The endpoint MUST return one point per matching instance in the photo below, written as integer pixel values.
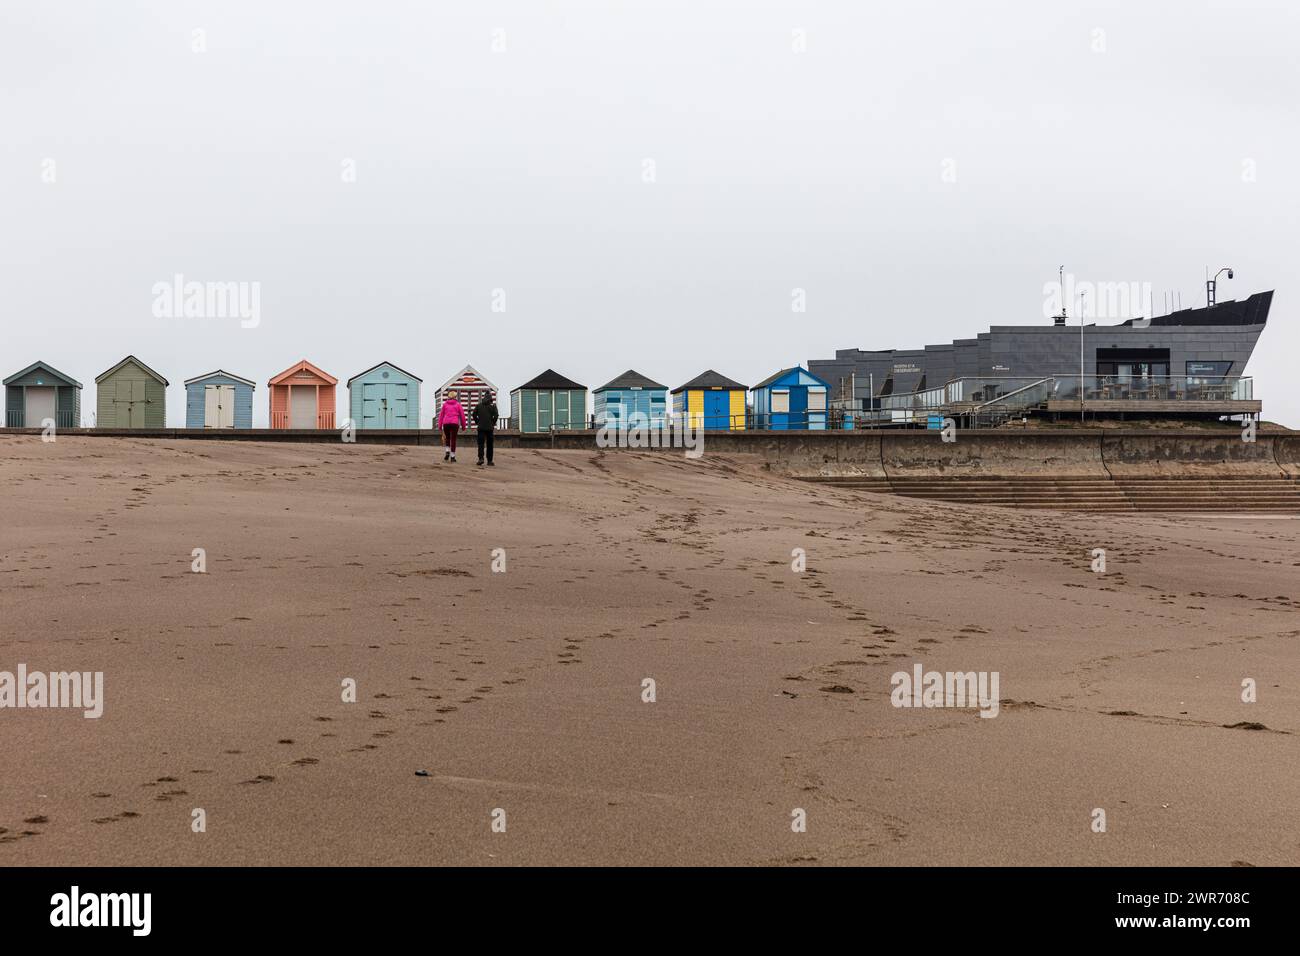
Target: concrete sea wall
(886, 453)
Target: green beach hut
(549, 400)
(130, 395)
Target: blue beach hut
(218, 400)
(793, 398)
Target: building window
(780, 401)
(1202, 373)
(816, 400)
(1126, 365)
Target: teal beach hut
(41, 392)
(631, 400)
(384, 396)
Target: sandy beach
(522, 691)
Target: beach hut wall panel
(219, 400)
(302, 396)
(712, 402)
(384, 397)
(41, 392)
(469, 387)
(791, 399)
(631, 399)
(550, 400)
(130, 395)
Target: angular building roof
(1249, 311)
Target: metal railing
(63, 418)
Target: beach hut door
(130, 393)
(717, 410)
(302, 406)
(219, 406)
(40, 404)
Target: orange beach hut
(302, 396)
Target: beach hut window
(816, 400)
(780, 401)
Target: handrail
(1016, 392)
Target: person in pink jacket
(451, 419)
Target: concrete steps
(1274, 495)
(1270, 495)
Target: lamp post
(1211, 284)
(1081, 295)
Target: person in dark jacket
(485, 419)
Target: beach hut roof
(788, 371)
(710, 379)
(54, 373)
(552, 379)
(467, 370)
(130, 358)
(631, 379)
(395, 368)
(237, 378)
(287, 373)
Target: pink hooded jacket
(451, 413)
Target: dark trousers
(485, 438)
(449, 437)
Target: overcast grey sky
(919, 169)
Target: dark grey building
(1209, 344)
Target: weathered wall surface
(992, 453)
(1190, 454)
(1286, 450)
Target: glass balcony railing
(1155, 388)
(987, 395)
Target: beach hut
(218, 400)
(630, 399)
(384, 396)
(711, 401)
(302, 396)
(469, 387)
(130, 395)
(39, 392)
(793, 398)
(549, 400)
